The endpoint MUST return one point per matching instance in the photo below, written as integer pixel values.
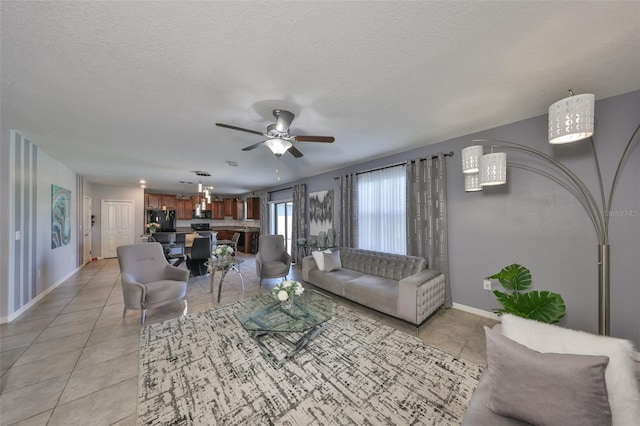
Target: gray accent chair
(272, 260)
(148, 280)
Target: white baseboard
(476, 311)
(23, 309)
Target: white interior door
(86, 229)
(117, 226)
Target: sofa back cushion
(391, 266)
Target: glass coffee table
(268, 322)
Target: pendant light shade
(472, 182)
(470, 158)
(571, 119)
(278, 146)
(493, 169)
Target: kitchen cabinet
(184, 209)
(217, 209)
(228, 206)
(234, 208)
(153, 201)
(238, 211)
(195, 200)
(253, 208)
(168, 201)
(246, 241)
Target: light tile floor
(72, 359)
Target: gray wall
(30, 267)
(535, 222)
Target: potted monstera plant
(543, 306)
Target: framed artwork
(60, 216)
(320, 211)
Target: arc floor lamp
(570, 120)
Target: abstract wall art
(320, 211)
(60, 216)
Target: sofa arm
(419, 295)
(308, 264)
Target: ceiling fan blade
(254, 146)
(284, 119)
(327, 139)
(228, 126)
(295, 152)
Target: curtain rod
(449, 154)
(278, 190)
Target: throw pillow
(545, 389)
(624, 396)
(319, 258)
(332, 261)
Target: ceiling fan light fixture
(278, 146)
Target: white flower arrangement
(152, 227)
(224, 250)
(286, 289)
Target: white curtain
(382, 210)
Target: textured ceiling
(122, 91)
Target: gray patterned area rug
(204, 369)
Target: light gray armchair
(272, 260)
(148, 280)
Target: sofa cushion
(375, 292)
(624, 396)
(332, 261)
(333, 281)
(391, 266)
(477, 413)
(546, 388)
(318, 256)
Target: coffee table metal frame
(286, 325)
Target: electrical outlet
(486, 284)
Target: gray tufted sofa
(400, 286)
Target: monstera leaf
(542, 306)
(514, 277)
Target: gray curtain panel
(427, 214)
(264, 214)
(349, 210)
(299, 226)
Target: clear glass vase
(287, 304)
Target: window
(282, 221)
(382, 210)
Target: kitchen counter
(247, 235)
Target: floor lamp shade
(472, 182)
(571, 119)
(471, 158)
(493, 169)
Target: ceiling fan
(279, 140)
